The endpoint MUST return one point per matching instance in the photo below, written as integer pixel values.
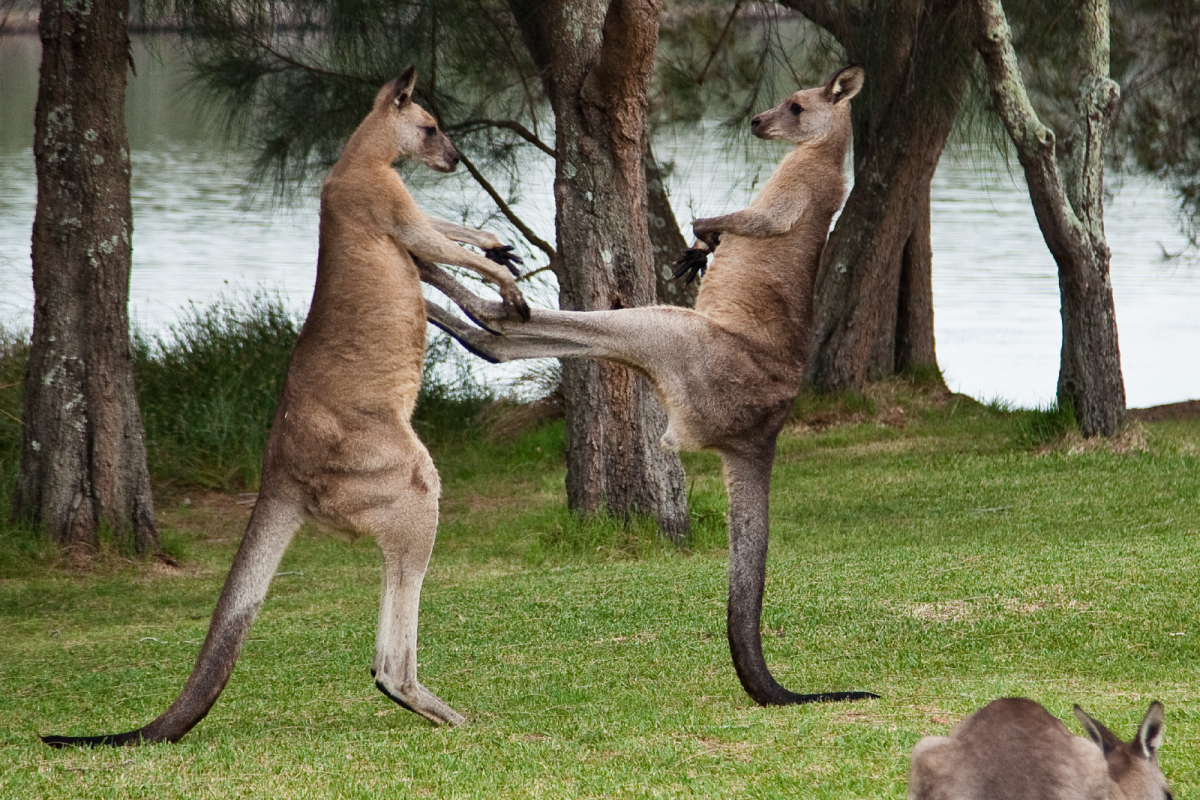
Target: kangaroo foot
(419, 700)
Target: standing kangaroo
(1013, 749)
(729, 371)
(342, 449)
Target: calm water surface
(197, 239)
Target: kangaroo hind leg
(267, 537)
(406, 532)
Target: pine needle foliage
(293, 79)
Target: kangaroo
(729, 370)
(342, 450)
(1013, 749)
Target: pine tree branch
(509, 214)
(512, 125)
(839, 18)
(720, 40)
(305, 67)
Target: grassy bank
(937, 551)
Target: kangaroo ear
(1150, 734)
(845, 83)
(404, 87)
(1102, 736)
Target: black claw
(503, 254)
(690, 265)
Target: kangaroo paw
(690, 265)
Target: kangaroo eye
(429, 130)
(795, 109)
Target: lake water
(197, 238)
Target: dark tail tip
(833, 697)
(109, 740)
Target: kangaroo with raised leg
(729, 371)
(342, 449)
(1014, 749)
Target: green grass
(941, 564)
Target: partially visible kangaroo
(729, 371)
(342, 449)
(1013, 749)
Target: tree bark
(666, 240)
(83, 459)
(1069, 206)
(873, 306)
(596, 59)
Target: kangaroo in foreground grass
(1013, 749)
(729, 371)
(342, 450)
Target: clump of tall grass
(1044, 425)
(14, 350)
(17, 540)
(208, 387)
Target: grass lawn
(939, 560)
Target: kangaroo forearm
(752, 222)
(441, 250)
(484, 240)
(474, 306)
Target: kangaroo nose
(754, 123)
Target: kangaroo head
(413, 130)
(815, 113)
(1132, 766)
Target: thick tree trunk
(1069, 208)
(873, 307)
(83, 462)
(597, 58)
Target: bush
(209, 386)
(14, 350)
(208, 390)
(1045, 425)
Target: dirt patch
(1171, 412)
(507, 420)
(972, 609)
(719, 748)
(888, 403)
(209, 516)
(1132, 439)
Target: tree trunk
(873, 307)
(596, 59)
(666, 241)
(83, 459)
(1069, 208)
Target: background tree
(1065, 176)
(873, 309)
(1156, 57)
(596, 59)
(83, 460)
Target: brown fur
(1013, 749)
(342, 450)
(728, 371)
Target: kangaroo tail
(747, 480)
(268, 535)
